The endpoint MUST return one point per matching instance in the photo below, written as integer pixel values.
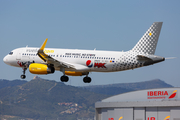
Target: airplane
(74, 62)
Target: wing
(49, 60)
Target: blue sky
(104, 25)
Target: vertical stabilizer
(147, 44)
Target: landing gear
(64, 78)
(87, 79)
(23, 76)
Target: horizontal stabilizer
(143, 58)
(149, 59)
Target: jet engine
(37, 68)
(74, 73)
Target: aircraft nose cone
(5, 59)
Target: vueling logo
(49, 51)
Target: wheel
(23, 76)
(87, 79)
(64, 78)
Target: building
(150, 104)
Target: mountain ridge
(114, 89)
(41, 99)
(49, 99)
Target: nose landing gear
(23, 76)
(24, 67)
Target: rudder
(148, 42)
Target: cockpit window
(10, 53)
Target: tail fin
(147, 44)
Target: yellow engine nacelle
(37, 68)
(73, 73)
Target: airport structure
(150, 104)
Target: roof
(161, 94)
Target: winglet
(44, 44)
(41, 53)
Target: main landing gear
(87, 79)
(65, 78)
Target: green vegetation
(44, 99)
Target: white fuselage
(92, 60)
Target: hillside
(44, 99)
(6, 83)
(47, 99)
(114, 89)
